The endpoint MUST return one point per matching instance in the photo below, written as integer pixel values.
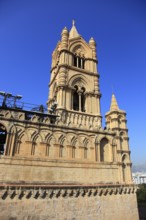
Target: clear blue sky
(30, 29)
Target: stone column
(91, 103)
(97, 152)
(7, 150)
(80, 93)
(77, 61)
(12, 144)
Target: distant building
(139, 177)
(64, 165)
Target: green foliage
(141, 194)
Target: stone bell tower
(74, 82)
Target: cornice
(45, 191)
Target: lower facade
(70, 202)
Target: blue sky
(30, 30)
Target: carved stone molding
(56, 191)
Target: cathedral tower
(74, 83)
(62, 164)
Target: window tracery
(79, 61)
(79, 99)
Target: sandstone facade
(63, 164)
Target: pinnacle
(114, 104)
(73, 32)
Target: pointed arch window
(78, 61)
(79, 99)
(104, 150)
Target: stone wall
(25, 169)
(68, 202)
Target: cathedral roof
(114, 104)
(73, 32)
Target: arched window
(78, 61)
(79, 99)
(3, 135)
(104, 150)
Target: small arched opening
(3, 136)
(104, 150)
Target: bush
(141, 194)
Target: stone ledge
(45, 191)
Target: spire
(114, 104)
(73, 32)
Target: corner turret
(116, 121)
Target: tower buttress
(116, 121)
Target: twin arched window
(79, 99)
(78, 61)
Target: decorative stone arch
(47, 137)
(83, 46)
(12, 129)
(80, 52)
(79, 86)
(79, 49)
(124, 158)
(120, 118)
(74, 142)
(11, 140)
(19, 141)
(105, 150)
(50, 141)
(36, 137)
(61, 141)
(22, 147)
(37, 140)
(86, 148)
(122, 133)
(78, 79)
